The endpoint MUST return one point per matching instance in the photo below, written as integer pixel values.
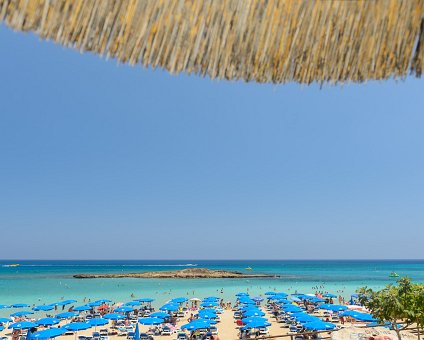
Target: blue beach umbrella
(306, 297)
(258, 299)
(246, 300)
(179, 300)
(251, 313)
(146, 300)
(64, 303)
(97, 322)
(244, 297)
(196, 324)
(170, 307)
(292, 309)
(284, 301)
(20, 305)
(47, 322)
(208, 316)
(102, 301)
(211, 321)
(283, 294)
(348, 313)
(4, 320)
(22, 313)
(22, 325)
(113, 316)
(277, 297)
(270, 293)
(209, 304)
(82, 308)
(256, 324)
(255, 318)
(48, 333)
(328, 295)
(209, 301)
(212, 298)
(193, 326)
(77, 326)
(94, 304)
(208, 321)
(334, 308)
(325, 306)
(136, 333)
(66, 315)
(305, 318)
(248, 307)
(161, 315)
(133, 303)
(124, 309)
(298, 314)
(211, 310)
(319, 326)
(43, 308)
(151, 321)
(242, 294)
(4, 306)
(364, 317)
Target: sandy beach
(227, 326)
(227, 329)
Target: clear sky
(100, 160)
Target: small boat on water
(393, 274)
(12, 265)
(248, 268)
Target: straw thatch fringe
(261, 40)
(418, 61)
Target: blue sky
(100, 160)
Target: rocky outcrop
(190, 273)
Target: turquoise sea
(44, 282)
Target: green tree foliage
(403, 302)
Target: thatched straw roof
(261, 40)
